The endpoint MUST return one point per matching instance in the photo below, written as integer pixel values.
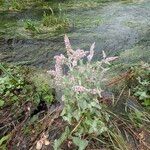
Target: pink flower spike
(79, 89)
(90, 56)
(74, 63)
(68, 45)
(78, 54)
(59, 59)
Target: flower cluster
(72, 62)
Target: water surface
(118, 28)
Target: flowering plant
(81, 86)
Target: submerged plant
(55, 22)
(30, 25)
(81, 89)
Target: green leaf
(146, 102)
(83, 104)
(1, 103)
(3, 139)
(81, 143)
(9, 74)
(93, 127)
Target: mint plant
(81, 89)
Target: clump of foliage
(14, 4)
(16, 87)
(89, 115)
(142, 88)
(17, 5)
(24, 94)
(55, 22)
(81, 87)
(52, 22)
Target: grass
(13, 5)
(55, 22)
(18, 5)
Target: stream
(118, 28)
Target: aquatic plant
(55, 22)
(30, 25)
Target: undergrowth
(16, 87)
(23, 95)
(142, 88)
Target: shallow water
(118, 28)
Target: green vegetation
(24, 93)
(50, 23)
(91, 112)
(53, 19)
(99, 111)
(30, 26)
(16, 87)
(142, 89)
(13, 4)
(80, 104)
(57, 23)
